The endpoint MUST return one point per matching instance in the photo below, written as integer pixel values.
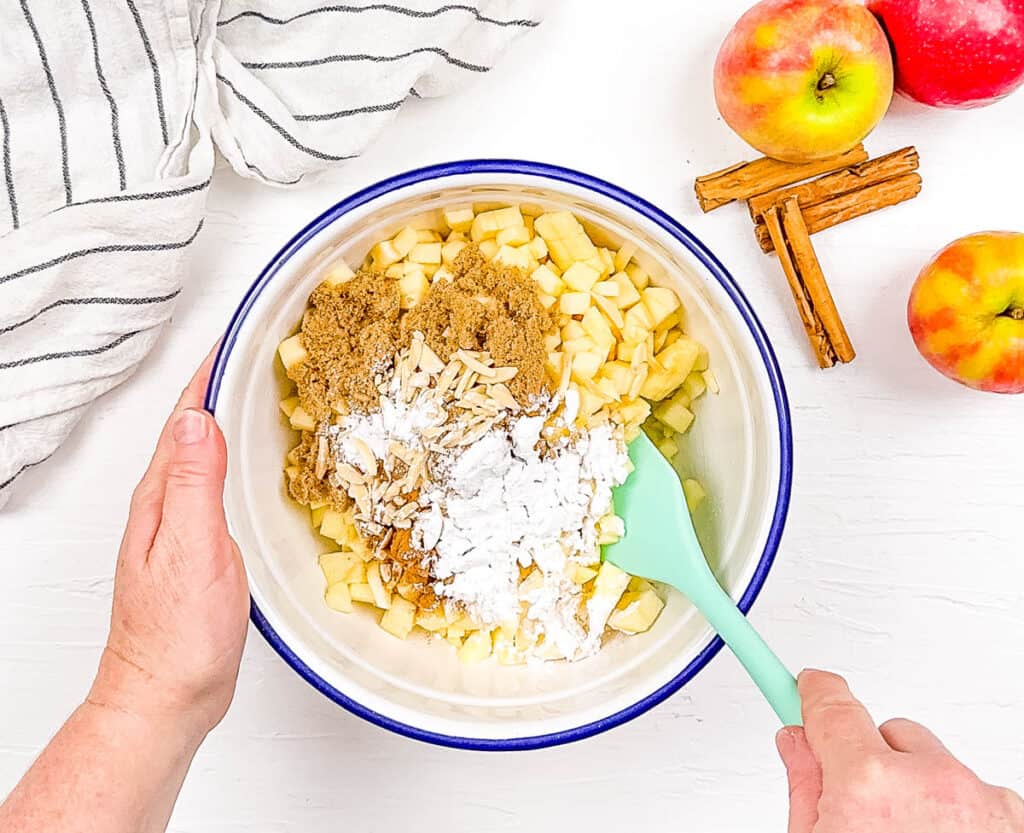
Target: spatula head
(660, 542)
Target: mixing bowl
(739, 448)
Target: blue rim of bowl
(719, 272)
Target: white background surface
(903, 560)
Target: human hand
(847, 776)
(180, 597)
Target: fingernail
(191, 427)
(784, 740)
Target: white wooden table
(903, 560)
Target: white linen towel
(109, 113)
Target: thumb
(194, 494)
(804, 776)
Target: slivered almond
(321, 458)
(416, 349)
(366, 456)
(465, 382)
(447, 378)
(350, 474)
(504, 374)
(429, 361)
(503, 397)
(474, 364)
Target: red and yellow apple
(966, 311)
(804, 79)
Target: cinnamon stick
(843, 207)
(854, 178)
(817, 308)
(815, 330)
(747, 179)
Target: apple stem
(826, 81)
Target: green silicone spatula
(660, 544)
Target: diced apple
(487, 224)
(586, 365)
(301, 420)
(459, 217)
(581, 574)
(669, 448)
(512, 256)
(426, 253)
(289, 405)
(674, 364)
(638, 613)
(292, 351)
(710, 380)
(341, 567)
(399, 618)
(538, 248)
(395, 270)
(620, 374)
(608, 289)
(427, 235)
(477, 647)
(581, 276)
(339, 598)
(574, 303)
(694, 385)
(451, 249)
(333, 525)
(674, 414)
(596, 326)
(548, 281)
(384, 254)
(413, 287)
(361, 593)
(638, 276)
(638, 316)
(583, 344)
(557, 225)
(635, 411)
(513, 236)
(405, 240)
(623, 255)
(431, 620)
(610, 584)
(572, 329)
(590, 404)
(694, 493)
(607, 260)
(660, 301)
(628, 293)
(488, 248)
(340, 273)
(316, 516)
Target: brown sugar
(487, 306)
(351, 333)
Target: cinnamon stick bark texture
(822, 323)
(854, 178)
(843, 207)
(748, 179)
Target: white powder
(507, 500)
(396, 421)
(503, 505)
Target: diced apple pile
(619, 343)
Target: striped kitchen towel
(109, 113)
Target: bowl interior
(734, 448)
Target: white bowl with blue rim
(740, 448)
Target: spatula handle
(765, 668)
